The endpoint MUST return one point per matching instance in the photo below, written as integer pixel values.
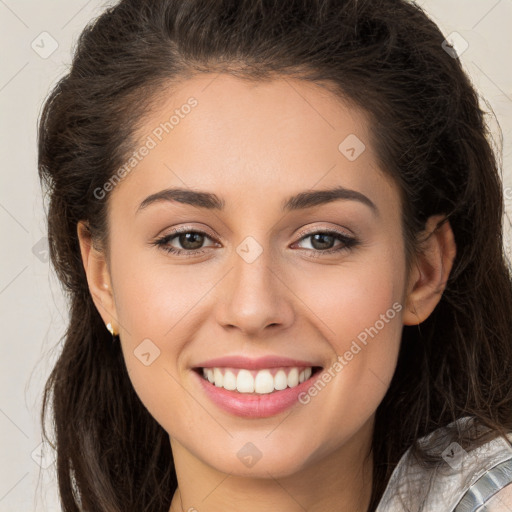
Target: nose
(254, 297)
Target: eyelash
(348, 242)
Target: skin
(255, 145)
(501, 501)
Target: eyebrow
(300, 201)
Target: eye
(191, 242)
(324, 241)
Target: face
(311, 287)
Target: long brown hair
(385, 56)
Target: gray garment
(462, 482)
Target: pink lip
(255, 406)
(253, 364)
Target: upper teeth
(262, 381)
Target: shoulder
(460, 480)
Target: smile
(258, 392)
(260, 382)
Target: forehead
(247, 140)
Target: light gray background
(32, 308)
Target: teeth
(244, 382)
(229, 381)
(280, 380)
(293, 378)
(259, 382)
(218, 377)
(264, 382)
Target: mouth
(257, 382)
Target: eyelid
(319, 229)
(188, 229)
(302, 233)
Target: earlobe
(98, 276)
(431, 270)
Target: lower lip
(255, 406)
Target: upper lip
(253, 363)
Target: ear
(98, 276)
(430, 270)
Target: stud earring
(111, 329)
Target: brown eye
(186, 243)
(322, 241)
(325, 241)
(191, 240)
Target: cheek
(359, 309)
(152, 295)
(357, 297)
(155, 309)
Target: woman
(279, 226)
